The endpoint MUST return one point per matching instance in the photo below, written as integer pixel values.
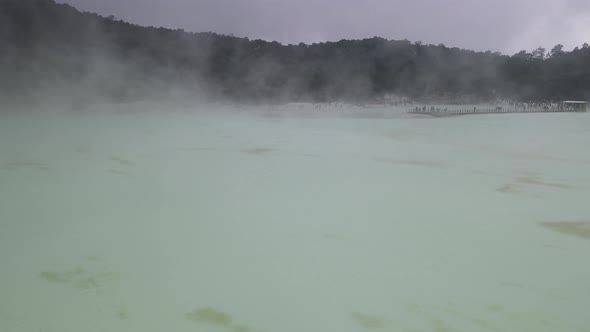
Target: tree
(556, 51)
(539, 53)
(523, 55)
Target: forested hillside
(56, 49)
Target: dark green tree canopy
(43, 44)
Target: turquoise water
(256, 220)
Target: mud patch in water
(508, 188)
(216, 317)
(19, 165)
(368, 321)
(122, 312)
(121, 161)
(257, 151)
(438, 325)
(210, 316)
(79, 278)
(334, 236)
(524, 184)
(532, 180)
(430, 164)
(574, 228)
(119, 172)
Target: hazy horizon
(502, 26)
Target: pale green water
(235, 222)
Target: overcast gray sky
(498, 25)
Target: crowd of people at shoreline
(414, 107)
(516, 107)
